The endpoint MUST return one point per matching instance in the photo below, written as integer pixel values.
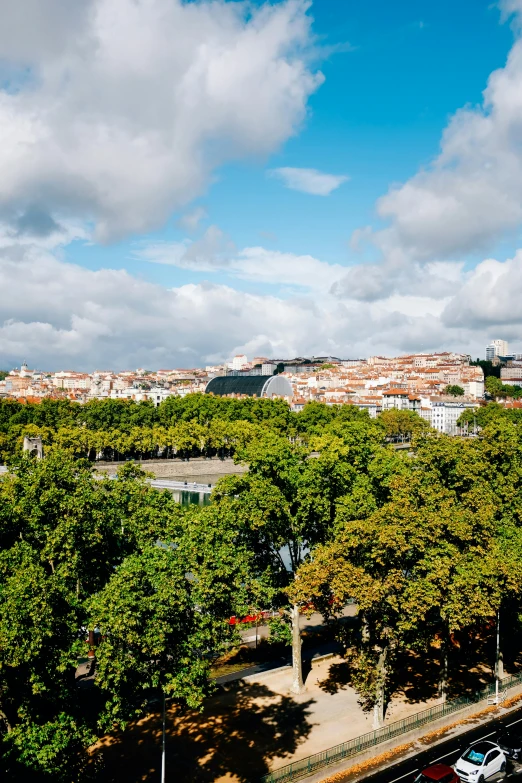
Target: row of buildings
(416, 382)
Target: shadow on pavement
(338, 678)
(236, 735)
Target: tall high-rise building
(238, 362)
(496, 348)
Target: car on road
(480, 761)
(437, 773)
(510, 743)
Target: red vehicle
(250, 618)
(438, 773)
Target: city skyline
(438, 387)
(302, 179)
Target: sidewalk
(246, 730)
(332, 708)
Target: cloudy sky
(183, 181)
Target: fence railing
(304, 767)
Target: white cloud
(309, 180)
(207, 254)
(57, 314)
(285, 269)
(491, 295)
(123, 108)
(191, 220)
(214, 252)
(118, 111)
(374, 282)
(471, 195)
(509, 8)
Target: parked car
(437, 773)
(480, 762)
(511, 745)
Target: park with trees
(427, 541)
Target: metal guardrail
(303, 767)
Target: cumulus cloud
(471, 195)
(58, 314)
(214, 252)
(308, 180)
(373, 282)
(55, 311)
(491, 295)
(191, 220)
(115, 113)
(121, 109)
(207, 254)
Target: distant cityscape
(419, 382)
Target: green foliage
(498, 390)
(439, 553)
(77, 552)
(279, 631)
(454, 391)
(488, 367)
(191, 426)
(427, 541)
(407, 424)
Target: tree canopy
(454, 390)
(427, 541)
(79, 552)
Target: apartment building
(446, 412)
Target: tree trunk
(297, 662)
(5, 719)
(91, 654)
(380, 701)
(443, 682)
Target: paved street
(448, 753)
(314, 621)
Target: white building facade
(496, 348)
(446, 413)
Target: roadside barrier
(303, 767)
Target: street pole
(497, 658)
(163, 744)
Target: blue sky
(160, 160)
(394, 73)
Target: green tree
(494, 387)
(440, 554)
(286, 505)
(406, 424)
(77, 550)
(454, 390)
(147, 620)
(488, 367)
(314, 417)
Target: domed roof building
(250, 386)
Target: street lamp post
(163, 744)
(497, 662)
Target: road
(448, 752)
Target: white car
(480, 762)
